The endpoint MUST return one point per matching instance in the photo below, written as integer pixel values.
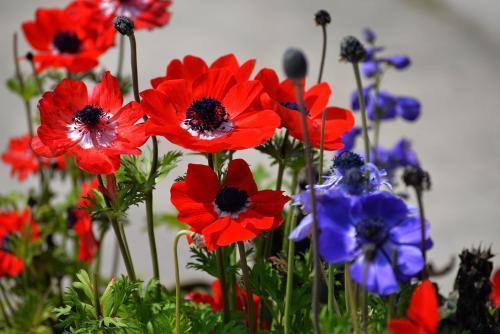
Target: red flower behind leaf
(81, 222)
(423, 312)
(228, 213)
(191, 67)
(495, 289)
(94, 128)
(24, 161)
(210, 114)
(63, 39)
(281, 97)
(14, 225)
(147, 14)
(216, 302)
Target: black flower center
(292, 106)
(231, 199)
(6, 243)
(90, 115)
(206, 114)
(347, 160)
(371, 230)
(67, 42)
(72, 218)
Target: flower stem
(290, 218)
(323, 114)
(224, 290)
(248, 287)
(420, 201)
(351, 300)
(119, 237)
(310, 179)
(323, 54)
(154, 164)
(4, 313)
(362, 107)
(96, 296)
(332, 301)
(178, 281)
(289, 274)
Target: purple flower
(349, 138)
(400, 155)
(369, 35)
(381, 221)
(370, 68)
(408, 108)
(381, 106)
(399, 62)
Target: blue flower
(379, 220)
(369, 35)
(400, 155)
(408, 108)
(349, 138)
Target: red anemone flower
(281, 97)
(191, 67)
(147, 14)
(94, 128)
(210, 114)
(61, 39)
(24, 161)
(14, 225)
(495, 289)
(81, 221)
(228, 213)
(216, 302)
(423, 312)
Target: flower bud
(322, 18)
(351, 50)
(295, 64)
(124, 25)
(416, 177)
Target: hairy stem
(248, 287)
(178, 281)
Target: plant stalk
(362, 108)
(178, 281)
(248, 287)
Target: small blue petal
(408, 108)
(369, 35)
(399, 62)
(303, 230)
(370, 68)
(383, 204)
(338, 246)
(378, 276)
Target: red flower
(147, 14)
(24, 161)
(495, 289)
(281, 97)
(191, 67)
(210, 114)
(216, 302)
(227, 213)
(81, 221)
(423, 312)
(94, 128)
(14, 225)
(63, 39)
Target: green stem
(289, 224)
(289, 276)
(323, 54)
(222, 278)
(362, 106)
(178, 281)
(351, 299)
(420, 201)
(323, 115)
(96, 296)
(332, 301)
(97, 268)
(248, 287)
(6, 298)
(4, 313)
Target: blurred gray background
(455, 48)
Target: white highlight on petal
(97, 136)
(224, 128)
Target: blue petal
(370, 68)
(399, 62)
(402, 154)
(334, 211)
(337, 246)
(303, 230)
(409, 232)
(408, 108)
(369, 35)
(410, 260)
(378, 276)
(349, 138)
(386, 102)
(385, 205)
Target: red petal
(269, 202)
(96, 162)
(424, 308)
(495, 291)
(241, 96)
(316, 98)
(107, 94)
(214, 83)
(402, 326)
(179, 93)
(202, 183)
(235, 232)
(240, 176)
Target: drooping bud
(417, 177)
(322, 18)
(295, 64)
(124, 25)
(351, 50)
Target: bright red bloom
(210, 114)
(147, 14)
(24, 161)
(423, 312)
(81, 221)
(227, 213)
(282, 98)
(94, 128)
(495, 289)
(63, 39)
(13, 225)
(191, 67)
(216, 302)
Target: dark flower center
(72, 218)
(347, 160)
(206, 114)
(354, 181)
(292, 106)
(371, 230)
(67, 42)
(90, 115)
(231, 199)
(6, 243)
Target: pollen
(205, 115)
